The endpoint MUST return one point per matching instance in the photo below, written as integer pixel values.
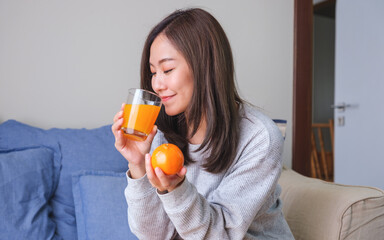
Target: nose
(158, 82)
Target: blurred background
(69, 64)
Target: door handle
(341, 106)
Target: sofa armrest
(315, 209)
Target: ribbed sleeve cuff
(137, 188)
(179, 198)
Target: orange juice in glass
(140, 113)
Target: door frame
(302, 86)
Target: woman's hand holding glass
(133, 151)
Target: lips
(166, 98)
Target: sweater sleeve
(146, 216)
(246, 192)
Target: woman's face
(171, 76)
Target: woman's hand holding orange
(133, 151)
(162, 181)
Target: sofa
(316, 209)
(69, 184)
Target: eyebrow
(163, 60)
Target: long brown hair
(199, 37)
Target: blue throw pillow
(101, 209)
(79, 149)
(28, 178)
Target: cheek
(190, 86)
(153, 85)
(190, 90)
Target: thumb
(152, 134)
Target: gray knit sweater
(240, 203)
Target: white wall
(70, 63)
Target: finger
(117, 116)
(163, 179)
(117, 126)
(148, 168)
(182, 172)
(122, 106)
(119, 138)
(152, 134)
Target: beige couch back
(316, 209)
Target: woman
(228, 187)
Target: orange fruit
(168, 157)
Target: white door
(359, 84)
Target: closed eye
(168, 71)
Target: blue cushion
(79, 149)
(28, 178)
(101, 209)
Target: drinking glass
(140, 113)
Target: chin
(171, 111)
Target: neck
(199, 136)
